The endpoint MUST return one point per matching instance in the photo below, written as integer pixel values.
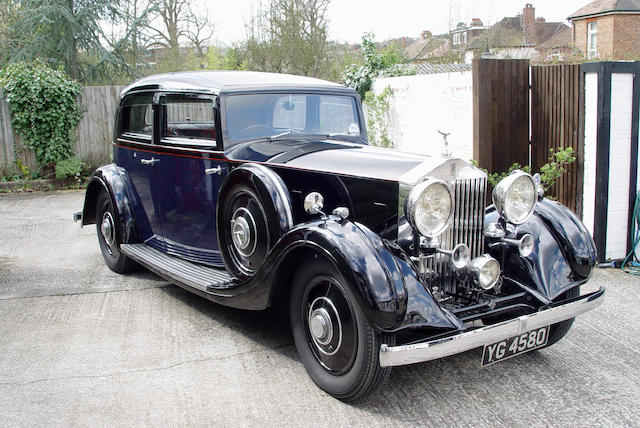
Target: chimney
(529, 24)
(476, 22)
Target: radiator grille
(467, 226)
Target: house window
(592, 39)
(456, 38)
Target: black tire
(353, 370)
(559, 330)
(243, 205)
(109, 237)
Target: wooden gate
(557, 121)
(500, 113)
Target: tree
(290, 36)
(175, 23)
(68, 33)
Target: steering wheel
(252, 131)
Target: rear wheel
(108, 228)
(336, 343)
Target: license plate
(513, 346)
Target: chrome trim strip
(161, 146)
(439, 348)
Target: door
(191, 170)
(135, 153)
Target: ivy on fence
(44, 109)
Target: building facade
(608, 29)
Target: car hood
(350, 159)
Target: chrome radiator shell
(470, 191)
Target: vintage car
(251, 189)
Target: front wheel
(338, 346)
(108, 236)
(559, 330)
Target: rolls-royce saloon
(251, 189)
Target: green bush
(549, 172)
(71, 167)
(387, 63)
(44, 108)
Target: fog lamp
(485, 270)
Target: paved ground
(80, 345)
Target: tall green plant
(386, 63)
(44, 108)
(378, 118)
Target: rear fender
(116, 183)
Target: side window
(136, 115)
(189, 117)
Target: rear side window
(189, 117)
(136, 115)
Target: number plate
(513, 346)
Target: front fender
(564, 254)
(115, 182)
(387, 288)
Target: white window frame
(592, 39)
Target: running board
(206, 279)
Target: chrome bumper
(432, 350)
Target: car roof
(230, 81)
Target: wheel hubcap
(243, 231)
(107, 229)
(325, 326)
(321, 326)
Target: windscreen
(265, 115)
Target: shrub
(44, 108)
(549, 172)
(70, 167)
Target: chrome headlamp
(429, 207)
(515, 197)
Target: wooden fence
(557, 121)
(93, 136)
(500, 113)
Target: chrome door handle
(216, 170)
(151, 161)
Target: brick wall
(605, 36)
(618, 36)
(580, 35)
(626, 43)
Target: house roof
(509, 32)
(426, 68)
(600, 7)
(423, 48)
(560, 40)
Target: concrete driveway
(80, 345)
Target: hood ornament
(446, 153)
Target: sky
(350, 19)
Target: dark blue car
(253, 188)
